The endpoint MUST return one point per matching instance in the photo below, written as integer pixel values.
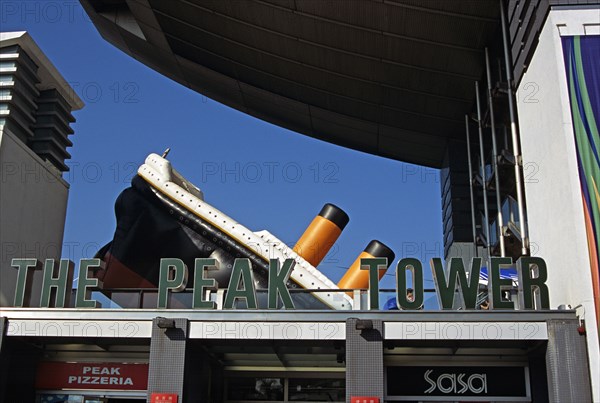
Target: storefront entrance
(269, 371)
(303, 387)
(467, 371)
(278, 357)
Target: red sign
(163, 398)
(364, 399)
(91, 375)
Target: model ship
(164, 215)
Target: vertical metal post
(471, 185)
(364, 360)
(567, 363)
(483, 175)
(167, 364)
(495, 155)
(514, 134)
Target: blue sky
(261, 175)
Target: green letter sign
(373, 265)
(415, 267)
(277, 283)
(61, 284)
(241, 276)
(84, 282)
(173, 276)
(497, 284)
(201, 266)
(22, 291)
(531, 287)
(446, 288)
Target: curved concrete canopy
(389, 77)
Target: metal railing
(511, 222)
(147, 298)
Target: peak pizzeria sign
(104, 376)
(450, 282)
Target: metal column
(364, 358)
(167, 357)
(471, 185)
(483, 175)
(495, 154)
(567, 365)
(514, 134)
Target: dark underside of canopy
(392, 78)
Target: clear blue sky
(266, 177)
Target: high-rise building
(35, 124)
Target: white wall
(33, 205)
(552, 188)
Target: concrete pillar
(364, 358)
(167, 356)
(567, 363)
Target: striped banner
(582, 63)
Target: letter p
(173, 276)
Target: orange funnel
(321, 234)
(357, 278)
